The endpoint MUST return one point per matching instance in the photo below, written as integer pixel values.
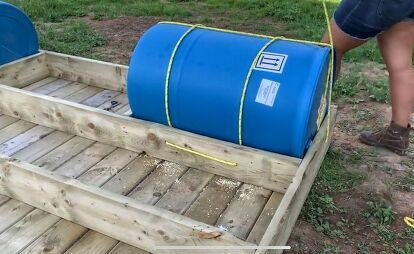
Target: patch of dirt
(381, 168)
(121, 35)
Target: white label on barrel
(267, 92)
(271, 62)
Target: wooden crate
(76, 155)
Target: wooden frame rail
(269, 170)
(120, 217)
(284, 219)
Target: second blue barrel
(208, 70)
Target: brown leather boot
(394, 138)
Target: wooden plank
(154, 186)
(42, 146)
(213, 200)
(282, 223)
(20, 234)
(56, 239)
(67, 90)
(158, 182)
(120, 217)
(14, 129)
(264, 219)
(108, 167)
(126, 111)
(88, 157)
(122, 248)
(184, 191)
(63, 153)
(91, 72)
(84, 160)
(3, 199)
(24, 71)
(52, 86)
(36, 151)
(88, 244)
(38, 132)
(23, 140)
(11, 212)
(100, 98)
(126, 180)
(39, 83)
(84, 94)
(116, 104)
(6, 121)
(123, 183)
(269, 170)
(243, 210)
(115, 161)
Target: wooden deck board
(200, 195)
(213, 200)
(265, 217)
(243, 210)
(184, 191)
(56, 239)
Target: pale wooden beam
(283, 221)
(269, 170)
(117, 216)
(87, 71)
(24, 71)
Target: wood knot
(208, 235)
(58, 114)
(46, 115)
(48, 248)
(91, 125)
(152, 137)
(15, 113)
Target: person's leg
(342, 43)
(396, 46)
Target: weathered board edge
(261, 168)
(87, 71)
(24, 71)
(283, 221)
(125, 219)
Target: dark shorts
(364, 19)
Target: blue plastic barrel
(17, 34)
(208, 73)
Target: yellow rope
(331, 72)
(167, 78)
(229, 163)
(246, 83)
(328, 87)
(245, 33)
(409, 221)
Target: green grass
(59, 10)
(332, 177)
(379, 213)
(303, 19)
(348, 84)
(330, 249)
(69, 37)
(405, 183)
(378, 89)
(406, 249)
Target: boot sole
(396, 150)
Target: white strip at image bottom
(177, 247)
